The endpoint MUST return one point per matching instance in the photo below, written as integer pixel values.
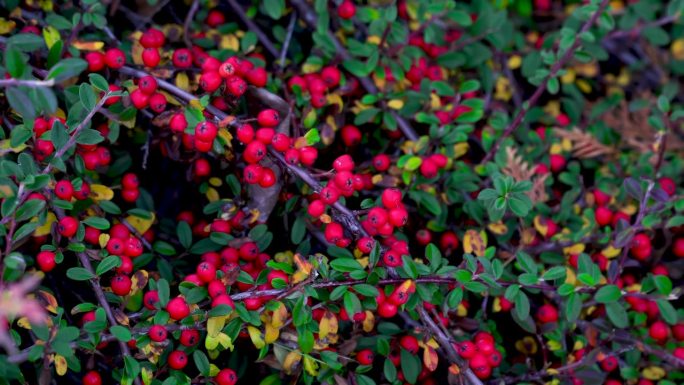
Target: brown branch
(265, 41)
(532, 101)
(310, 18)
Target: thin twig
(26, 83)
(265, 41)
(288, 38)
(532, 101)
(188, 21)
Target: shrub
(399, 192)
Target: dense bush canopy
(341, 192)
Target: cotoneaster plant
(341, 192)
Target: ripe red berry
(316, 208)
(46, 261)
(96, 61)
(253, 173)
(329, 195)
(151, 57)
(382, 162)
(64, 190)
(215, 18)
(121, 285)
(236, 86)
(641, 247)
(343, 163)
(265, 135)
(254, 152)
(603, 216)
(178, 123)
(67, 226)
(150, 299)
(182, 58)
(258, 77)
(268, 178)
(409, 343)
(206, 131)
(428, 168)
(206, 272)
(480, 366)
(557, 162)
(331, 76)
(387, 309)
(177, 359)
(392, 258)
(158, 333)
(659, 331)
(226, 377)
(351, 135)
(148, 84)
(248, 251)
(668, 185)
(391, 198)
(139, 99)
(115, 58)
(92, 378)
(268, 118)
(308, 155)
(547, 313)
(466, 349)
(189, 337)
(334, 232)
(346, 10)
(157, 103)
(210, 81)
(365, 357)
(178, 308)
(608, 364)
(398, 216)
(678, 247)
(601, 198)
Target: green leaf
(14, 62)
(298, 231)
(389, 370)
(163, 291)
(617, 314)
(97, 222)
(26, 42)
(663, 283)
(184, 233)
(107, 264)
(201, 362)
(554, 273)
(345, 265)
(351, 304)
(410, 366)
(20, 102)
(99, 82)
(87, 96)
(433, 255)
(67, 68)
(573, 307)
(79, 274)
(607, 294)
(527, 263)
(667, 311)
(121, 333)
(522, 306)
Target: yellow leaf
(51, 36)
(653, 373)
(527, 345)
(138, 281)
(310, 366)
(460, 149)
(45, 228)
(87, 45)
(225, 341)
(182, 81)
(291, 362)
(103, 240)
(303, 266)
(60, 365)
(611, 252)
(212, 194)
(677, 49)
(225, 135)
(395, 104)
(373, 39)
(430, 358)
(272, 334)
(141, 224)
(279, 316)
(496, 305)
(540, 225)
(498, 228)
(335, 99)
(230, 42)
(461, 311)
(569, 76)
(211, 343)
(514, 62)
(23, 322)
(553, 345)
(473, 243)
(570, 277)
(6, 26)
(309, 68)
(577, 248)
(556, 148)
(49, 300)
(100, 192)
(215, 324)
(213, 370)
(369, 322)
(327, 325)
(435, 101)
(256, 337)
(146, 375)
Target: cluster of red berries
(316, 84)
(481, 353)
(113, 58)
(389, 305)
(130, 187)
(146, 95)
(95, 155)
(256, 142)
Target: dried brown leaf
(518, 169)
(584, 144)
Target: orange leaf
(430, 358)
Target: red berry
(603, 216)
(258, 77)
(202, 168)
(392, 258)
(178, 308)
(547, 313)
(387, 309)
(659, 331)
(346, 10)
(391, 198)
(96, 61)
(92, 378)
(268, 118)
(254, 152)
(206, 272)
(331, 76)
(316, 208)
(64, 190)
(351, 135)
(210, 81)
(46, 261)
(466, 349)
(601, 198)
(668, 185)
(333, 232)
(178, 123)
(148, 84)
(265, 135)
(130, 195)
(365, 357)
(236, 86)
(67, 227)
(678, 247)
(382, 162)
(248, 251)
(150, 299)
(253, 173)
(206, 131)
(557, 163)
(115, 58)
(121, 285)
(480, 366)
(158, 333)
(139, 99)
(226, 377)
(343, 163)
(151, 57)
(177, 359)
(609, 364)
(182, 58)
(158, 103)
(189, 337)
(215, 18)
(308, 155)
(268, 178)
